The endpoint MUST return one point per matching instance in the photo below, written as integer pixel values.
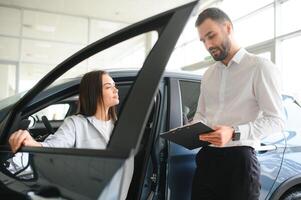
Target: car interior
(147, 160)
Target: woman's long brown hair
(90, 93)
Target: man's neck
(231, 54)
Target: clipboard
(188, 135)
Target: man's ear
(229, 27)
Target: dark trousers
(231, 173)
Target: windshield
(11, 100)
(14, 98)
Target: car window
(167, 26)
(129, 54)
(57, 112)
(10, 100)
(190, 91)
(14, 98)
(53, 112)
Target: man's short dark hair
(214, 14)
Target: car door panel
(66, 173)
(181, 162)
(83, 173)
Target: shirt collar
(236, 58)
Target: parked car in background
(137, 163)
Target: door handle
(45, 192)
(265, 148)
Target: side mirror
(19, 167)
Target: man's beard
(223, 51)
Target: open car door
(85, 173)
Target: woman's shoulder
(75, 118)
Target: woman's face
(109, 91)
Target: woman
(92, 127)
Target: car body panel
(289, 175)
(270, 162)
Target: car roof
(131, 72)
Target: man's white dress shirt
(245, 94)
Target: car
(138, 163)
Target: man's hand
(221, 136)
(21, 137)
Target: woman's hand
(20, 138)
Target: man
(241, 99)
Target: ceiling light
(39, 56)
(45, 28)
(43, 44)
(42, 28)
